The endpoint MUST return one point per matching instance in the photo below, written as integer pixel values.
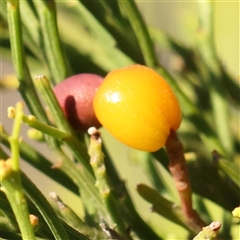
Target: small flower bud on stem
(11, 112)
(236, 212)
(209, 232)
(5, 169)
(34, 221)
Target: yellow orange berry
(137, 106)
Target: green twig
(44, 87)
(117, 25)
(104, 39)
(133, 219)
(44, 128)
(26, 87)
(37, 160)
(8, 220)
(44, 208)
(79, 175)
(53, 50)
(43, 231)
(73, 220)
(97, 163)
(77, 147)
(11, 180)
(31, 29)
(141, 32)
(82, 178)
(164, 207)
(66, 212)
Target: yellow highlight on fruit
(137, 106)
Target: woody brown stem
(178, 168)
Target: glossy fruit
(137, 106)
(75, 96)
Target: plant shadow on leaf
(209, 183)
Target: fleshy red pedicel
(138, 107)
(75, 96)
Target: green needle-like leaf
(97, 163)
(141, 32)
(73, 220)
(111, 16)
(42, 230)
(26, 87)
(49, 97)
(107, 42)
(51, 43)
(11, 180)
(44, 208)
(162, 206)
